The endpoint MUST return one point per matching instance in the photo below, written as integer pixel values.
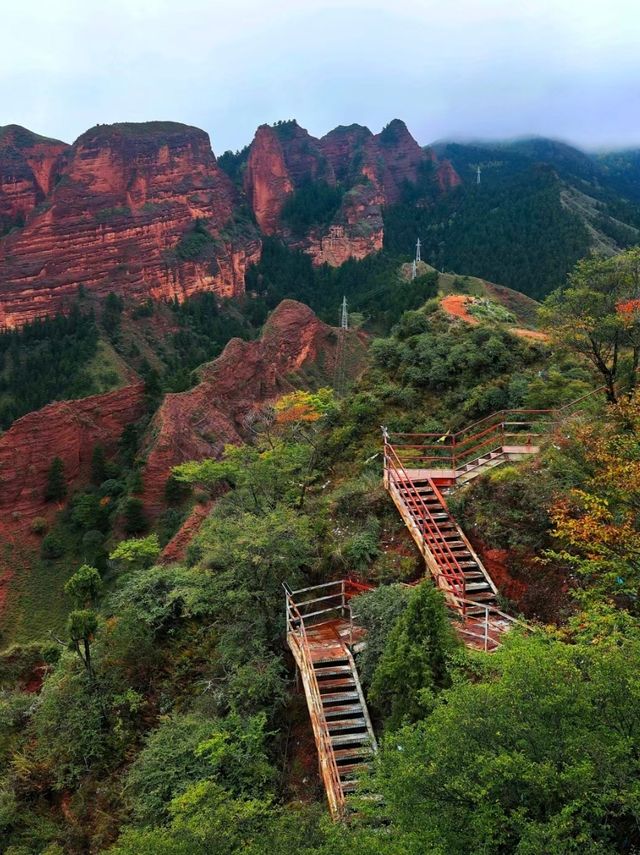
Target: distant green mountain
(622, 169)
(539, 207)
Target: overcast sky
(451, 68)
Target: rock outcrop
(121, 217)
(198, 423)
(69, 430)
(370, 171)
(144, 210)
(29, 166)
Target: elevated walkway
(320, 625)
(320, 634)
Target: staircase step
(330, 663)
(331, 671)
(352, 753)
(481, 595)
(353, 769)
(337, 683)
(351, 739)
(342, 710)
(346, 723)
(339, 696)
(477, 586)
(349, 786)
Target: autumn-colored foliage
(598, 523)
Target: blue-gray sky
(460, 68)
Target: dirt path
(535, 334)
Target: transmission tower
(344, 315)
(478, 173)
(418, 251)
(340, 373)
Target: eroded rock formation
(29, 166)
(145, 210)
(198, 423)
(370, 171)
(125, 198)
(69, 430)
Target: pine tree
(98, 465)
(135, 520)
(56, 488)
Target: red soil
(457, 305)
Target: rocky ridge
(198, 423)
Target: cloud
(465, 68)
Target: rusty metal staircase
(320, 633)
(442, 541)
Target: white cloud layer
(470, 68)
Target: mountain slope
(540, 206)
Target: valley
(199, 449)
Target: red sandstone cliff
(69, 430)
(372, 169)
(111, 212)
(198, 423)
(125, 196)
(29, 165)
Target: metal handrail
(452, 570)
(452, 448)
(323, 728)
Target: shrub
(39, 525)
(52, 546)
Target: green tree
(135, 520)
(166, 766)
(111, 314)
(99, 471)
(539, 756)
(261, 478)
(84, 586)
(415, 662)
(137, 553)
(377, 612)
(68, 726)
(597, 316)
(56, 487)
(81, 629)
(89, 512)
(252, 556)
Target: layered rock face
(370, 170)
(144, 210)
(29, 165)
(125, 198)
(69, 430)
(199, 423)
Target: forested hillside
(540, 206)
(160, 712)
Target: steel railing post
(385, 457)
(486, 629)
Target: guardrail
(453, 450)
(449, 574)
(299, 643)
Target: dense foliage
(46, 360)
(314, 203)
(161, 714)
(512, 229)
(372, 286)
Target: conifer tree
(56, 488)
